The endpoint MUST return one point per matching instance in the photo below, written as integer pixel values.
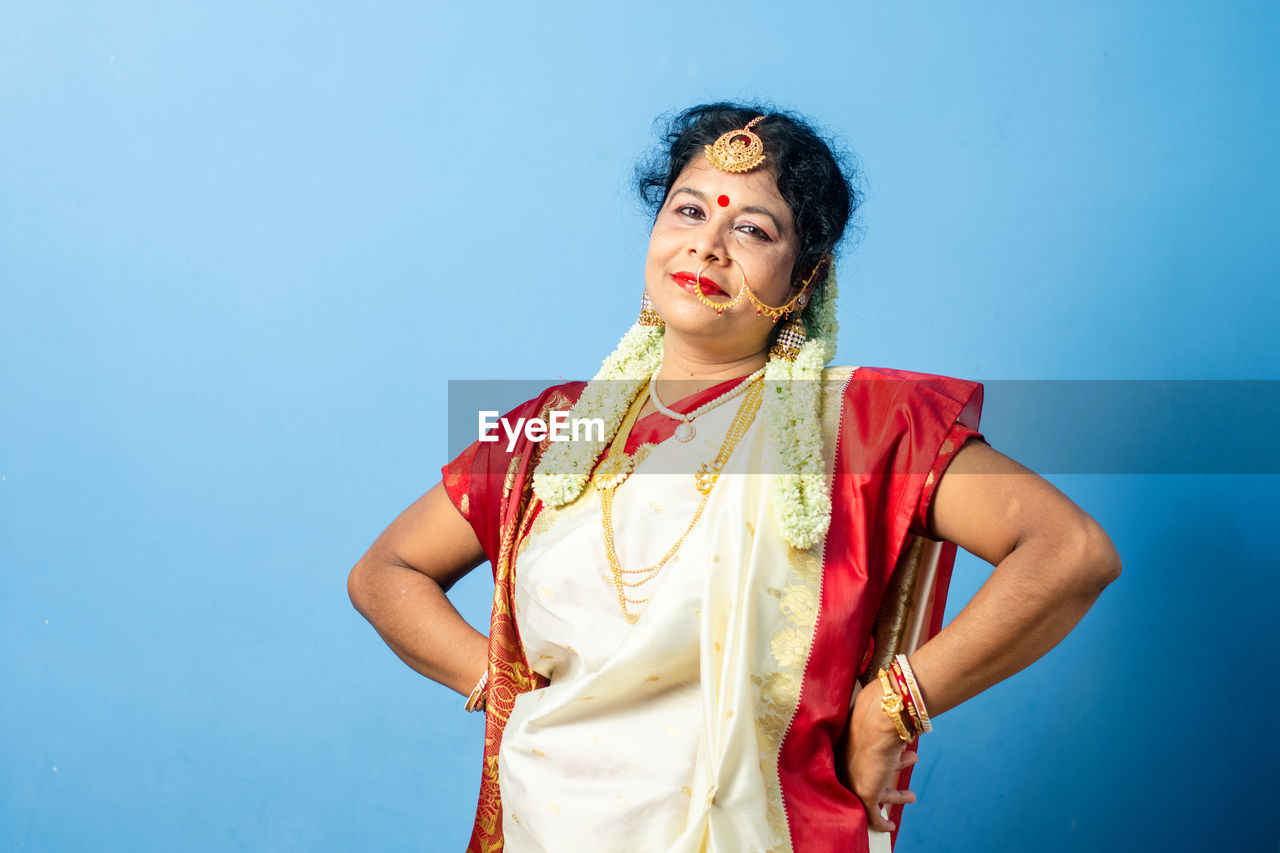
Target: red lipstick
(688, 281)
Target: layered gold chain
(617, 466)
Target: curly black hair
(822, 188)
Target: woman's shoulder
(907, 380)
(893, 374)
(884, 388)
(554, 398)
(561, 396)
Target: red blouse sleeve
(958, 415)
(907, 426)
(468, 484)
(476, 480)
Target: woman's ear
(814, 279)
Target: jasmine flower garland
(800, 491)
(563, 470)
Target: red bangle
(917, 698)
(908, 702)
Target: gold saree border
(779, 677)
(509, 672)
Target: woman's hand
(873, 756)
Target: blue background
(244, 247)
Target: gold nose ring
(719, 307)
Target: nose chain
(773, 312)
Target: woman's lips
(690, 282)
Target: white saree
(662, 735)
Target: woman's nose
(707, 243)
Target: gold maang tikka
(737, 150)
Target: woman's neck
(679, 363)
(686, 372)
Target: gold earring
(649, 315)
(791, 337)
(719, 307)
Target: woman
(678, 649)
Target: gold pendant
(705, 477)
(613, 472)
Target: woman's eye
(689, 210)
(754, 231)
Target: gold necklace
(617, 466)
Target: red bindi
(723, 201)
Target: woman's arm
(399, 585)
(1052, 561)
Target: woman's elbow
(1097, 561)
(359, 584)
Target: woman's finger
(873, 795)
(877, 820)
(897, 798)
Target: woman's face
(741, 217)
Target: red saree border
(831, 818)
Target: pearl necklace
(685, 431)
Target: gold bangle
(891, 704)
(478, 695)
